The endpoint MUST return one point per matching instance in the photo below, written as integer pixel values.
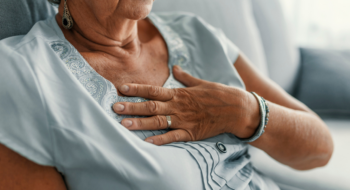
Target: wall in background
(319, 23)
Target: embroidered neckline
(102, 90)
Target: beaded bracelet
(264, 112)
(267, 110)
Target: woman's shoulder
(195, 30)
(24, 56)
(174, 16)
(181, 19)
(201, 44)
(27, 51)
(192, 27)
(41, 32)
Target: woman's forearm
(296, 138)
(295, 135)
(18, 173)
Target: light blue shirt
(56, 111)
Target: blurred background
(319, 23)
(316, 74)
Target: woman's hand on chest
(203, 110)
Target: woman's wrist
(251, 119)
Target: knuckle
(173, 93)
(136, 89)
(159, 122)
(152, 107)
(181, 93)
(190, 135)
(176, 136)
(154, 91)
(139, 123)
(215, 85)
(132, 107)
(161, 139)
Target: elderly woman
(82, 92)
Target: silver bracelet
(264, 112)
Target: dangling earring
(67, 19)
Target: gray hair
(57, 2)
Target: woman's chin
(138, 9)
(141, 13)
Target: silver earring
(67, 19)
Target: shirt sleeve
(24, 126)
(230, 49)
(213, 54)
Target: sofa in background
(258, 28)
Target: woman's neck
(115, 36)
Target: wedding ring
(168, 119)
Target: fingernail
(119, 107)
(150, 141)
(127, 123)
(124, 88)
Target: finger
(170, 137)
(148, 108)
(147, 91)
(185, 78)
(151, 123)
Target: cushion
(324, 82)
(282, 55)
(335, 175)
(18, 16)
(235, 18)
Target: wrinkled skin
(202, 110)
